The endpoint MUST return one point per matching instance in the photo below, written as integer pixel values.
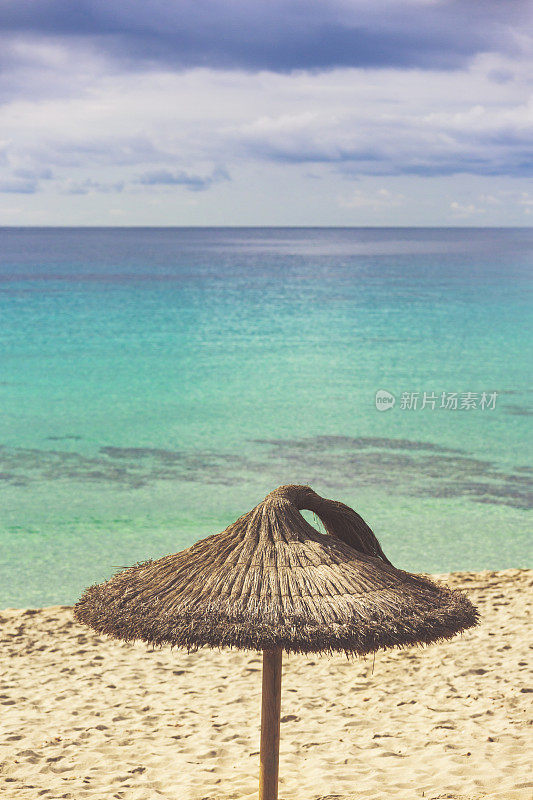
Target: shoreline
(84, 716)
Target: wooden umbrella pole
(270, 717)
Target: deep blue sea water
(157, 383)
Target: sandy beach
(87, 717)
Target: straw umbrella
(272, 582)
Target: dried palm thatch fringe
(271, 580)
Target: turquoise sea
(157, 383)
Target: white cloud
(98, 131)
(465, 210)
(87, 186)
(375, 200)
(525, 200)
(498, 201)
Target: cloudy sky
(266, 112)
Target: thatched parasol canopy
(270, 581)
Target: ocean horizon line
(273, 227)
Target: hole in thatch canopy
(312, 519)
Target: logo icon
(384, 400)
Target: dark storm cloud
(278, 36)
